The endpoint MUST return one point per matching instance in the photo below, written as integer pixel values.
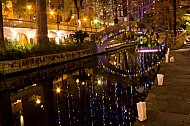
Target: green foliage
(21, 9)
(14, 51)
(188, 28)
(11, 44)
(180, 41)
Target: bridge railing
(175, 42)
(180, 39)
(114, 30)
(51, 26)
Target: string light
(108, 100)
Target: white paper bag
(141, 108)
(172, 59)
(166, 57)
(160, 78)
(168, 51)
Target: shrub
(14, 51)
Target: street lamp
(85, 19)
(51, 13)
(29, 7)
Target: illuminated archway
(22, 38)
(52, 35)
(8, 33)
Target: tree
(41, 23)
(188, 28)
(20, 8)
(80, 35)
(2, 43)
(78, 6)
(161, 15)
(83, 36)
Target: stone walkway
(169, 104)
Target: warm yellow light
(99, 82)
(73, 16)
(82, 83)
(114, 63)
(85, 19)
(79, 21)
(95, 21)
(58, 90)
(51, 12)
(29, 7)
(38, 101)
(77, 80)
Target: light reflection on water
(88, 96)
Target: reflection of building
(84, 95)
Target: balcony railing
(16, 23)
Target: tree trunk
(41, 23)
(2, 44)
(174, 13)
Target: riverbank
(169, 104)
(14, 66)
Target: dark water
(98, 91)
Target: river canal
(96, 91)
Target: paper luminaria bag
(168, 51)
(141, 108)
(166, 56)
(172, 59)
(160, 78)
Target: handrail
(18, 23)
(110, 32)
(180, 39)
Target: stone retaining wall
(30, 78)
(7, 67)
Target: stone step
(186, 46)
